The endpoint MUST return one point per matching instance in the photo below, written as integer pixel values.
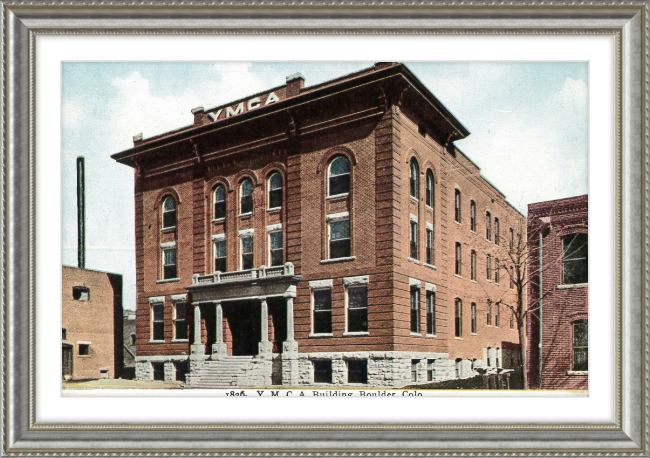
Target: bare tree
(519, 261)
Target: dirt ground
(119, 384)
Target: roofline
(562, 199)
(306, 94)
(92, 270)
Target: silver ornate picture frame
(627, 21)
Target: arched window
(472, 216)
(488, 269)
(457, 205)
(497, 239)
(473, 273)
(219, 202)
(415, 178)
(459, 267)
(275, 190)
(459, 318)
(497, 274)
(430, 189)
(339, 176)
(169, 212)
(488, 226)
(246, 196)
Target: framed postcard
(333, 228)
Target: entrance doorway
(243, 320)
(67, 361)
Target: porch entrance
(243, 327)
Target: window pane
(247, 261)
(158, 331)
(181, 329)
(220, 248)
(246, 187)
(580, 336)
(323, 299)
(158, 312)
(358, 320)
(358, 297)
(275, 198)
(340, 249)
(339, 185)
(414, 178)
(170, 256)
(170, 204)
(276, 258)
(323, 371)
(276, 181)
(575, 259)
(220, 265)
(430, 197)
(358, 371)
(340, 166)
(340, 230)
(323, 322)
(169, 219)
(220, 210)
(170, 272)
(181, 311)
(220, 194)
(247, 244)
(247, 204)
(276, 240)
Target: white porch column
(219, 347)
(197, 347)
(290, 318)
(265, 347)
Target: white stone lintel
(429, 226)
(338, 216)
(359, 280)
(168, 245)
(316, 284)
(246, 232)
(414, 217)
(218, 237)
(415, 282)
(274, 227)
(430, 287)
(179, 297)
(157, 300)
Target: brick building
(91, 324)
(128, 371)
(323, 235)
(559, 229)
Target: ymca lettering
(243, 107)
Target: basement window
(358, 371)
(158, 371)
(81, 293)
(323, 371)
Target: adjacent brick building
(91, 324)
(559, 229)
(323, 235)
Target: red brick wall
(96, 321)
(562, 304)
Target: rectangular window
(322, 311)
(180, 321)
(497, 239)
(322, 371)
(422, 130)
(81, 293)
(133, 339)
(84, 349)
(457, 204)
(473, 265)
(415, 309)
(512, 240)
(459, 266)
(488, 267)
(247, 253)
(169, 263)
(497, 315)
(580, 346)
(158, 371)
(357, 309)
(339, 239)
(414, 240)
(430, 370)
(64, 334)
(575, 259)
(497, 275)
(489, 312)
(429, 247)
(459, 318)
(414, 370)
(180, 368)
(220, 256)
(357, 371)
(474, 322)
(276, 249)
(488, 226)
(512, 320)
(158, 322)
(431, 313)
(472, 214)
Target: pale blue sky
(528, 124)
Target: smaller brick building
(91, 324)
(558, 272)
